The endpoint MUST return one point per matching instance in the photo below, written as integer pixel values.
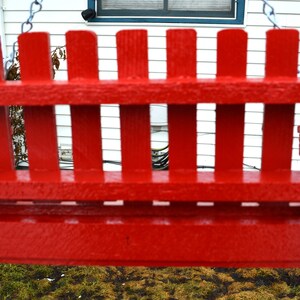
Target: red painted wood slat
(281, 61)
(1, 64)
(150, 236)
(40, 124)
(86, 132)
(222, 91)
(132, 52)
(231, 61)
(182, 124)
(279, 186)
(6, 151)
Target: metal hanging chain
(35, 7)
(269, 12)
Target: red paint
(155, 236)
(132, 52)
(39, 121)
(281, 60)
(183, 233)
(279, 90)
(231, 62)
(1, 65)
(298, 130)
(86, 123)
(6, 154)
(139, 186)
(181, 46)
(6, 151)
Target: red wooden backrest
(58, 216)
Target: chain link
(35, 7)
(269, 12)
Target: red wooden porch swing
(39, 220)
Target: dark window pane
(133, 4)
(198, 5)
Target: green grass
(47, 283)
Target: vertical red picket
(86, 124)
(182, 122)
(132, 51)
(6, 152)
(281, 61)
(231, 61)
(35, 64)
(1, 64)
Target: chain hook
(34, 11)
(269, 12)
(26, 23)
(35, 7)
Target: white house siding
(57, 17)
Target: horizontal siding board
(64, 141)
(63, 120)
(256, 57)
(44, 16)
(111, 133)
(255, 70)
(253, 152)
(53, 28)
(283, 7)
(64, 131)
(110, 111)
(109, 144)
(53, 5)
(284, 20)
(62, 109)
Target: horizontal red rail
(220, 186)
(142, 91)
(223, 235)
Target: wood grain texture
(40, 126)
(281, 61)
(279, 90)
(231, 62)
(132, 52)
(182, 124)
(86, 125)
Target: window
(169, 11)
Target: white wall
(57, 17)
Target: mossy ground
(47, 283)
